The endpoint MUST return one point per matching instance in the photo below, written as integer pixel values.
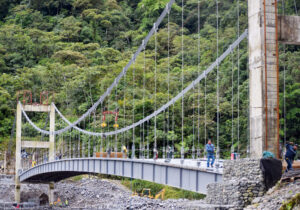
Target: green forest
(74, 49)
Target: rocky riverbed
(92, 193)
(276, 196)
(95, 193)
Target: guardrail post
(197, 181)
(131, 169)
(166, 178)
(180, 178)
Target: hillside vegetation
(75, 48)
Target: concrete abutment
(243, 180)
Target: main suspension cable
(122, 73)
(155, 113)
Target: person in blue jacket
(291, 151)
(210, 149)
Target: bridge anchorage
(97, 144)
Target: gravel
(104, 194)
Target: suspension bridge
(110, 152)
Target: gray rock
(257, 200)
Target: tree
(70, 29)
(70, 57)
(52, 7)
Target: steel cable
(123, 72)
(156, 112)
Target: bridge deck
(193, 163)
(185, 176)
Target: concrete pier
(266, 30)
(263, 75)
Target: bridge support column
(31, 144)
(263, 77)
(51, 149)
(51, 193)
(18, 153)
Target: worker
(210, 149)
(66, 202)
(108, 151)
(155, 154)
(171, 152)
(124, 149)
(45, 159)
(169, 155)
(291, 151)
(33, 163)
